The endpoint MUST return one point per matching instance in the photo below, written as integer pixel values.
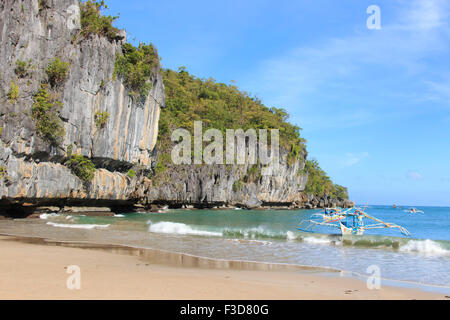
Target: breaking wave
(79, 226)
(256, 233)
(46, 216)
(320, 240)
(426, 247)
(179, 228)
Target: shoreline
(343, 286)
(28, 209)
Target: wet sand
(39, 271)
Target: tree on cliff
(221, 107)
(319, 184)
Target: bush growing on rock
(319, 184)
(135, 66)
(69, 150)
(4, 175)
(340, 192)
(82, 167)
(22, 69)
(57, 72)
(159, 168)
(253, 174)
(2, 172)
(101, 118)
(13, 93)
(131, 173)
(45, 113)
(93, 23)
(237, 186)
(43, 5)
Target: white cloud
(439, 90)
(427, 14)
(352, 159)
(414, 175)
(307, 74)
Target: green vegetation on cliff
(13, 93)
(319, 184)
(44, 112)
(57, 71)
(23, 68)
(221, 107)
(82, 167)
(136, 67)
(94, 23)
(4, 175)
(101, 118)
(131, 174)
(2, 172)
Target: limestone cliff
(36, 32)
(33, 171)
(222, 185)
(216, 186)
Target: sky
(374, 104)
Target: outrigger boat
(414, 210)
(349, 222)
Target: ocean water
(272, 236)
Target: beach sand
(36, 271)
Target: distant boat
(414, 210)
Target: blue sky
(374, 105)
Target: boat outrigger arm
(382, 225)
(349, 222)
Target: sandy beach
(36, 271)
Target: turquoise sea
(272, 236)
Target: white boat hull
(348, 231)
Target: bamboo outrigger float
(348, 221)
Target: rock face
(215, 186)
(32, 171)
(313, 202)
(236, 185)
(36, 34)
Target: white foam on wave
(426, 247)
(79, 226)
(179, 228)
(316, 240)
(291, 235)
(255, 242)
(46, 216)
(119, 216)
